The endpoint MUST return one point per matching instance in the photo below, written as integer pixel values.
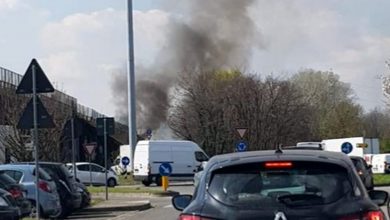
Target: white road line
(168, 206)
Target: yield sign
(90, 148)
(241, 131)
(43, 84)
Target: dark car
(364, 171)
(86, 196)
(8, 207)
(288, 184)
(70, 196)
(17, 192)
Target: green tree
(333, 112)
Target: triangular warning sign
(89, 148)
(27, 120)
(43, 84)
(241, 131)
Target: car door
(83, 173)
(98, 173)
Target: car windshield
(304, 183)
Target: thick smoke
(209, 35)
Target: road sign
(241, 146)
(27, 120)
(241, 132)
(90, 148)
(110, 126)
(346, 147)
(43, 84)
(165, 169)
(125, 161)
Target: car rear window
(292, 183)
(5, 179)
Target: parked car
(70, 197)
(17, 192)
(49, 200)
(8, 208)
(281, 184)
(96, 176)
(364, 171)
(184, 157)
(86, 196)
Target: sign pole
(105, 155)
(90, 170)
(73, 150)
(35, 140)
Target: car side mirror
(180, 202)
(369, 166)
(379, 197)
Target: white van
(184, 157)
(379, 162)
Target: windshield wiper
(301, 199)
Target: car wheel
(159, 181)
(111, 182)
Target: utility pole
(131, 85)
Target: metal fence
(8, 77)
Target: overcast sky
(80, 43)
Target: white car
(93, 174)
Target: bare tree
(18, 141)
(210, 105)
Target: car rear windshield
(5, 180)
(272, 184)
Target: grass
(125, 180)
(96, 201)
(381, 179)
(93, 189)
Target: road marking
(168, 206)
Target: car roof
(272, 155)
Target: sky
(81, 43)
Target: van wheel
(159, 181)
(146, 182)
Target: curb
(139, 207)
(124, 195)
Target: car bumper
(8, 213)
(51, 206)
(24, 206)
(76, 200)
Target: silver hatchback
(49, 200)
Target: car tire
(159, 181)
(111, 182)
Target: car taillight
(44, 186)
(372, 215)
(192, 217)
(15, 192)
(278, 165)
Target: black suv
(288, 184)
(364, 171)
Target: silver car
(49, 200)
